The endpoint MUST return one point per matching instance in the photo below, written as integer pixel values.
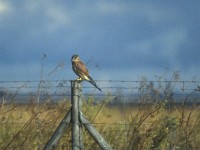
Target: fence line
(62, 84)
(123, 81)
(123, 88)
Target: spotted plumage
(80, 69)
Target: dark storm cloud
(115, 35)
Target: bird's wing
(81, 68)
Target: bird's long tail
(93, 82)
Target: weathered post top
(75, 89)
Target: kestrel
(81, 70)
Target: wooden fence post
(95, 135)
(76, 126)
(53, 142)
(77, 119)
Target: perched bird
(81, 70)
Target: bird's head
(75, 58)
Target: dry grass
(133, 127)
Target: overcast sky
(122, 40)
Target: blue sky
(122, 40)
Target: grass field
(152, 126)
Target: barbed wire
(62, 84)
(110, 87)
(36, 81)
